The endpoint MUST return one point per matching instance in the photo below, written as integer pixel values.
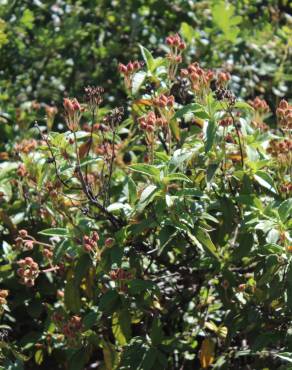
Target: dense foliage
(145, 224)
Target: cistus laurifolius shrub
(155, 235)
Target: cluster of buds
(73, 111)
(282, 151)
(259, 105)
(107, 149)
(277, 147)
(71, 329)
(128, 70)
(175, 41)
(28, 271)
(114, 117)
(21, 170)
(224, 94)
(90, 242)
(261, 108)
(177, 46)
(286, 188)
(3, 296)
(225, 122)
(200, 78)
(151, 121)
(26, 146)
(164, 101)
(93, 96)
(222, 79)
(47, 253)
(284, 114)
(120, 275)
(24, 241)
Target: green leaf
(121, 326)
(60, 250)
(265, 180)
(147, 196)
(190, 192)
(72, 296)
(210, 135)
(156, 333)
(223, 17)
(174, 126)
(55, 232)
(286, 356)
(148, 58)
(91, 319)
(110, 355)
(203, 241)
(191, 108)
(146, 169)
(83, 264)
(78, 360)
(243, 105)
(27, 19)
(187, 32)
(137, 286)
(110, 301)
(289, 286)
(39, 357)
(131, 191)
(176, 176)
(285, 210)
(149, 360)
(138, 81)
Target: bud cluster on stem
(3, 296)
(28, 271)
(90, 242)
(128, 70)
(199, 78)
(176, 46)
(284, 115)
(73, 111)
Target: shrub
(154, 235)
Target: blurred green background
(53, 48)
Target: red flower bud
(130, 67)
(122, 68)
(182, 46)
(169, 40)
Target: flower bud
(130, 67)
(109, 242)
(67, 103)
(283, 104)
(23, 233)
(122, 68)
(3, 293)
(95, 236)
(87, 248)
(169, 40)
(29, 260)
